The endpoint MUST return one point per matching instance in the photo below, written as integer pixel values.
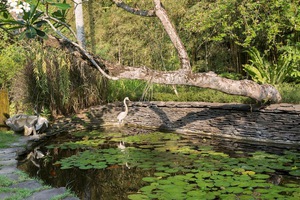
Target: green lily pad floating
(226, 173)
(292, 185)
(261, 176)
(148, 188)
(137, 197)
(295, 172)
(205, 185)
(67, 167)
(234, 190)
(150, 179)
(164, 182)
(161, 174)
(196, 194)
(86, 167)
(203, 174)
(238, 170)
(246, 197)
(243, 177)
(170, 170)
(221, 183)
(146, 146)
(262, 190)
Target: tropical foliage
(11, 60)
(219, 36)
(263, 71)
(57, 81)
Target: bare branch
(161, 13)
(64, 24)
(165, 20)
(83, 51)
(136, 11)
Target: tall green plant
(12, 58)
(58, 82)
(263, 71)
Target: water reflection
(122, 167)
(115, 182)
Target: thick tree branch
(161, 13)
(165, 20)
(81, 49)
(204, 80)
(136, 11)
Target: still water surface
(104, 165)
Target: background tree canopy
(215, 33)
(219, 36)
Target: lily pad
(137, 197)
(161, 174)
(295, 172)
(150, 179)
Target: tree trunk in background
(235, 57)
(171, 31)
(4, 106)
(92, 25)
(78, 11)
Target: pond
(158, 165)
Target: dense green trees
(217, 34)
(238, 25)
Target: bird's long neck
(126, 108)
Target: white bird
(122, 146)
(122, 115)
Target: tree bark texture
(78, 11)
(204, 80)
(171, 31)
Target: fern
(262, 71)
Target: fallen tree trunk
(204, 80)
(184, 76)
(210, 80)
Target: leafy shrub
(12, 58)
(263, 71)
(290, 92)
(56, 82)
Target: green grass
(142, 91)
(186, 94)
(4, 182)
(290, 93)
(22, 193)
(6, 138)
(15, 193)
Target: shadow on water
(96, 165)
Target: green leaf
(36, 16)
(40, 33)
(30, 32)
(150, 179)
(5, 15)
(63, 6)
(12, 22)
(137, 197)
